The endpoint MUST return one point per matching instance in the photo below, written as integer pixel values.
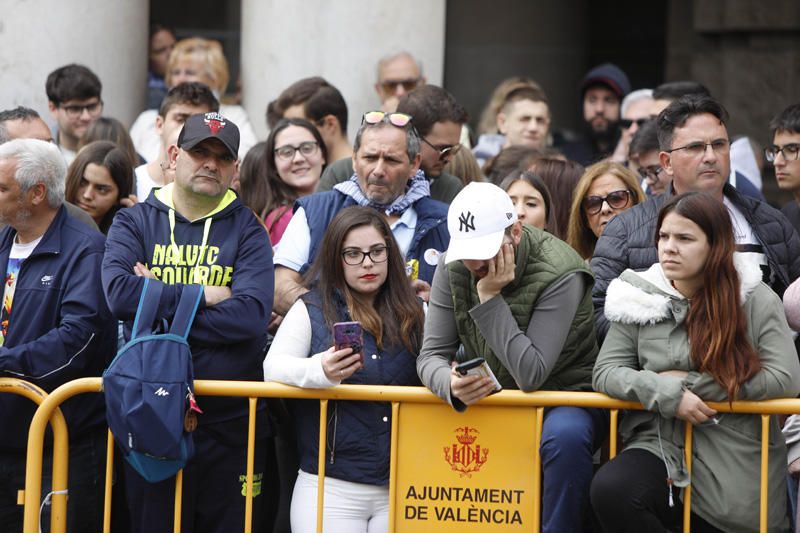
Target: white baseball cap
(476, 220)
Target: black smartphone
(349, 335)
(480, 367)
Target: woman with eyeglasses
(698, 326)
(358, 276)
(605, 190)
(278, 172)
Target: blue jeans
(87, 460)
(570, 436)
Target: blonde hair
(488, 121)
(209, 53)
(464, 166)
(579, 234)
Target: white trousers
(349, 507)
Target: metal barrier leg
(537, 471)
(323, 439)
(251, 444)
(178, 501)
(687, 492)
(612, 433)
(109, 481)
(763, 517)
(393, 466)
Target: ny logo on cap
(466, 222)
(215, 122)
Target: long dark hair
(396, 314)
(109, 156)
(716, 323)
(537, 183)
(277, 192)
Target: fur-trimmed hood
(645, 297)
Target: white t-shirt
(295, 245)
(144, 183)
(746, 241)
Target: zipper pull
(193, 403)
(669, 488)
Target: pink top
(276, 222)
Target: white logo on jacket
(161, 392)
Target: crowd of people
(636, 257)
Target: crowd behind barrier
(48, 412)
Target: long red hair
(716, 323)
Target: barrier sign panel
(469, 471)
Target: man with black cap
(602, 90)
(195, 231)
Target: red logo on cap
(215, 124)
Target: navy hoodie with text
(228, 247)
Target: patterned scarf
(418, 187)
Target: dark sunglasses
(627, 123)
(401, 120)
(391, 86)
(444, 151)
(616, 200)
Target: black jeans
(630, 493)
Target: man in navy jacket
(54, 326)
(195, 231)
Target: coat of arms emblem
(465, 456)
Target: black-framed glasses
(650, 173)
(400, 120)
(408, 85)
(354, 256)
(287, 151)
(627, 123)
(615, 199)
(74, 111)
(444, 151)
(720, 146)
(790, 152)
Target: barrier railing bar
(323, 440)
(687, 492)
(612, 433)
(109, 482)
(393, 465)
(539, 400)
(251, 452)
(58, 511)
(537, 470)
(764, 471)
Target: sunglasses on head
(616, 200)
(627, 123)
(400, 120)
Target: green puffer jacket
(648, 336)
(541, 261)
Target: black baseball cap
(202, 126)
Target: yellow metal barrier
(58, 506)
(394, 395)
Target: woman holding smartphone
(698, 326)
(359, 276)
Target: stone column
(107, 36)
(283, 42)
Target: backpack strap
(148, 307)
(187, 308)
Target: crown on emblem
(467, 435)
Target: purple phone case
(349, 335)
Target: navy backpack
(149, 388)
